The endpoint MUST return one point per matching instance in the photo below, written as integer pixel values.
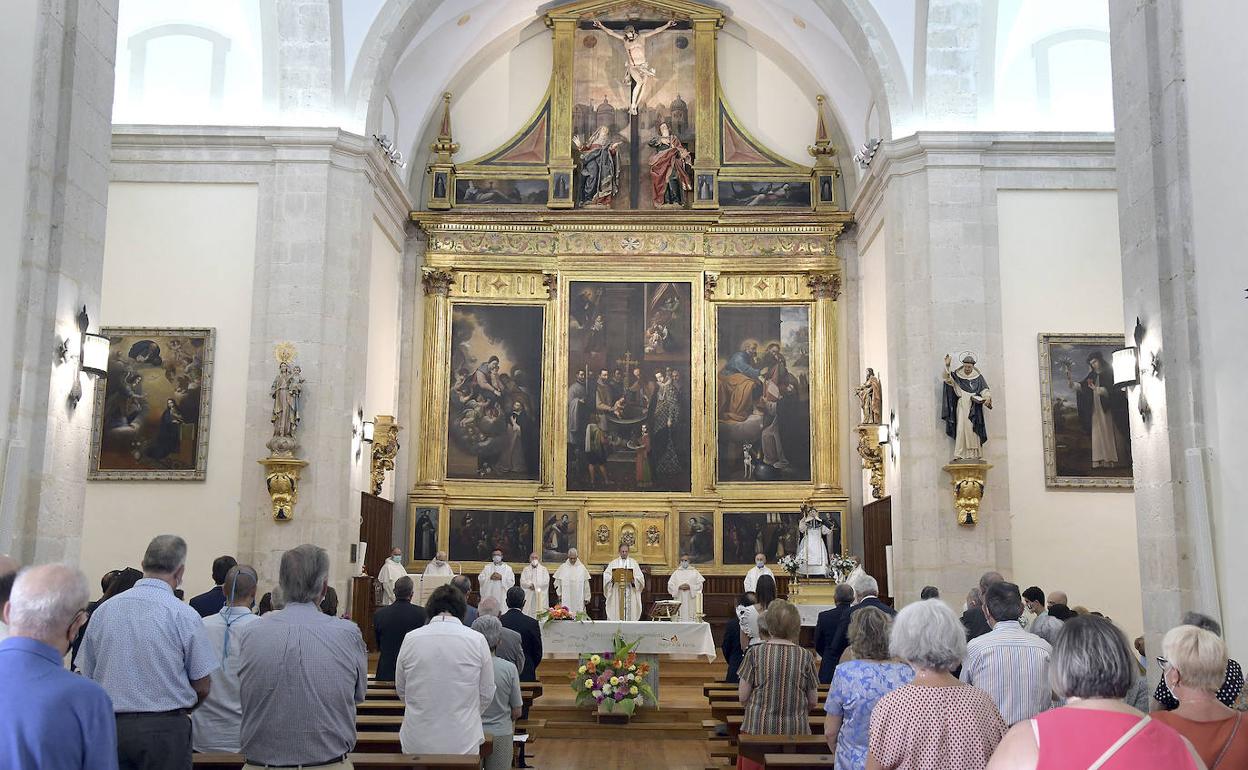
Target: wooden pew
(380, 706)
(755, 747)
(799, 761)
(734, 725)
(361, 761)
(387, 742)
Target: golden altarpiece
(631, 317)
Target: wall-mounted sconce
(357, 433)
(370, 428)
(92, 355)
(882, 434)
(893, 436)
(1126, 364)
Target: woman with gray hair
(498, 719)
(858, 684)
(1232, 683)
(1193, 668)
(935, 721)
(1091, 669)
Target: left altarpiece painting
(152, 410)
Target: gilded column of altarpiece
(631, 315)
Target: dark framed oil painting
(425, 535)
(1087, 434)
(558, 534)
(475, 533)
(494, 410)
(771, 533)
(152, 409)
(763, 393)
(697, 536)
(628, 399)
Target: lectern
(623, 579)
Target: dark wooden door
(376, 526)
(877, 533)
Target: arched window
(181, 64)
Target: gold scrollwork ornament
(281, 478)
(602, 534)
(969, 480)
(385, 448)
(872, 457)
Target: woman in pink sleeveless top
(1092, 668)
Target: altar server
(685, 585)
(535, 580)
(391, 571)
(572, 582)
(438, 567)
(632, 592)
(496, 578)
(759, 569)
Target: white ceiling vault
(888, 67)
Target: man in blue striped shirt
(1008, 663)
(53, 720)
(150, 653)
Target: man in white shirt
(1042, 624)
(632, 592)
(572, 582)
(535, 580)
(445, 676)
(685, 585)
(438, 567)
(496, 578)
(759, 569)
(391, 571)
(218, 720)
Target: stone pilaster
(61, 267)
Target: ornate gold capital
(550, 280)
(436, 281)
(872, 457)
(825, 285)
(385, 448)
(969, 480)
(281, 477)
(710, 281)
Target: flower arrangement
(560, 612)
(614, 680)
(791, 564)
(842, 565)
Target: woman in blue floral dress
(858, 684)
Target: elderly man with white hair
(572, 582)
(151, 655)
(866, 590)
(301, 672)
(52, 718)
(510, 646)
(439, 567)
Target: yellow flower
(589, 683)
(596, 659)
(615, 680)
(632, 691)
(581, 670)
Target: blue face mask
(396, 559)
(760, 564)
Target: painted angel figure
(637, 70)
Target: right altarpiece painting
(1087, 438)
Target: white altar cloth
(565, 639)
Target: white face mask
(498, 559)
(439, 562)
(760, 564)
(533, 562)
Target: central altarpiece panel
(631, 317)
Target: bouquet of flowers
(842, 565)
(614, 680)
(791, 564)
(560, 612)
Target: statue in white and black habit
(966, 396)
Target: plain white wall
(380, 394)
(874, 324)
(179, 255)
(1061, 272)
(1217, 73)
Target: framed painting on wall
(628, 399)
(558, 534)
(152, 409)
(762, 398)
(425, 534)
(494, 412)
(1087, 435)
(697, 536)
(771, 533)
(475, 533)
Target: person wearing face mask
(572, 582)
(390, 572)
(632, 595)
(759, 569)
(685, 584)
(52, 718)
(535, 580)
(218, 720)
(496, 577)
(151, 654)
(438, 567)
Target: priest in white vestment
(759, 569)
(390, 572)
(438, 567)
(496, 578)
(685, 585)
(572, 582)
(813, 550)
(632, 592)
(535, 580)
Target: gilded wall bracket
(872, 455)
(969, 480)
(385, 448)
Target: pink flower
(619, 695)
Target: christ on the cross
(638, 71)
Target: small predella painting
(1087, 437)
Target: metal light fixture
(882, 431)
(92, 355)
(1126, 366)
(357, 433)
(95, 354)
(370, 427)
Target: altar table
(564, 639)
(810, 613)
